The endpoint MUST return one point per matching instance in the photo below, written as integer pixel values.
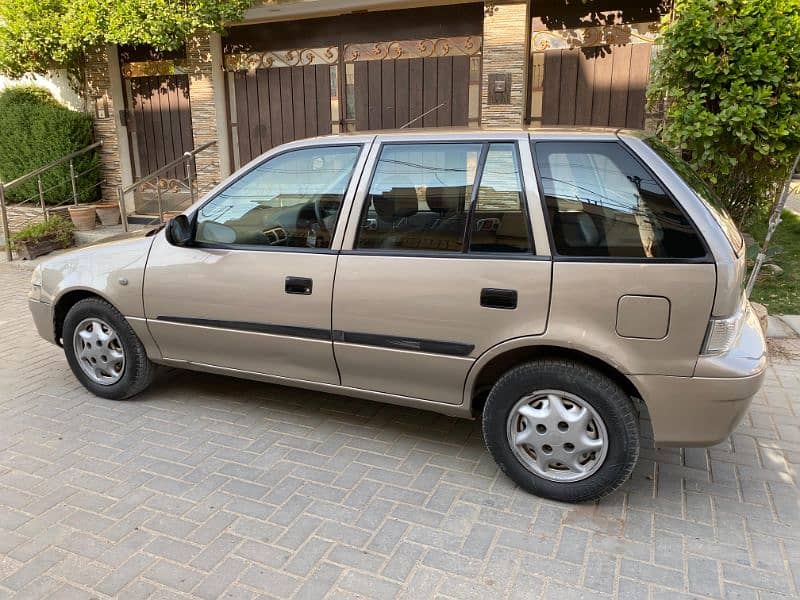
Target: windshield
(701, 190)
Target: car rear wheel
(561, 430)
(103, 351)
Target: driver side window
(291, 200)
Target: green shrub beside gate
(36, 130)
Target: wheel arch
(65, 302)
(498, 360)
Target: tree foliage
(37, 35)
(729, 71)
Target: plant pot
(30, 249)
(171, 214)
(108, 213)
(83, 217)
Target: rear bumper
(703, 410)
(696, 411)
(43, 319)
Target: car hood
(128, 235)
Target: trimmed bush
(37, 130)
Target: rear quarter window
(702, 190)
(601, 202)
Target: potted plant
(83, 216)
(43, 237)
(107, 212)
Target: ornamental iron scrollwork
(295, 57)
(166, 184)
(424, 48)
(590, 37)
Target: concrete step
(778, 327)
(793, 321)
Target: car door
(253, 291)
(438, 264)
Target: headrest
(513, 225)
(445, 200)
(579, 230)
(396, 203)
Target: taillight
(721, 334)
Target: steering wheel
(318, 213)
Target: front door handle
(498, 298)
(299, 285)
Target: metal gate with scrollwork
(280, 96)
(355, 72)
(422, 82)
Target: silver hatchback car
(546, 282)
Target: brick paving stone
(211, 487)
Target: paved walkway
(210, 487)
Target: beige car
(545, 282)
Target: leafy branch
(38, 35)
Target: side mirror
(179, 230)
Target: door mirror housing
(179, 230)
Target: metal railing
(72, 197)
(159, 183)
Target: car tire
(95, 335)
(561, 430)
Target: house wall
(204, 115)
(56, 82)
(506, 53)
(104, 106)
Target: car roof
(461, 132)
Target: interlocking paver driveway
(212, 487)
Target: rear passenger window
(422, 200)
(602, 203)
(499, 223)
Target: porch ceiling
(281, 10)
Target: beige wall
(56, 82)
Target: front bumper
(43, 319)
(703, 410)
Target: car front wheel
(561, 430)
(103, 351)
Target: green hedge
(36, 130)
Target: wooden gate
(595, 76)
(282, 96)
(422, 82)
(353, 72)
(159, 114)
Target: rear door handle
(299, 285)
(499, 298)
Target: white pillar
(220, 104)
